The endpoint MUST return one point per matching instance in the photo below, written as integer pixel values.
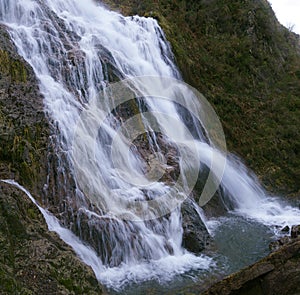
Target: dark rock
(195, 234)
(216, 205)
(295, 231)
(286, 229)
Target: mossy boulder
(32, 259)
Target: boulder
(195, 234)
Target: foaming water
(163, 270)
(76, 48)
(244, 195)
(251, 201)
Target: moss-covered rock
(24, 128)
(32, 259)
(15, 69)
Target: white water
(63, 41)
(162, 270)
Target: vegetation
(248, 66)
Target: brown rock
(280, 242)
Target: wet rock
(286, 229)
(161, 160)
(195, 234)
(216, 205)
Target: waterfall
(76, 49)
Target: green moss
(69, 284)
(7, 283)
(31, 213)
(14, 68)
(73, 286)
(26, 172)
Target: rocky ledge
(278, 273)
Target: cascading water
(75, 49)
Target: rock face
(32, 259)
